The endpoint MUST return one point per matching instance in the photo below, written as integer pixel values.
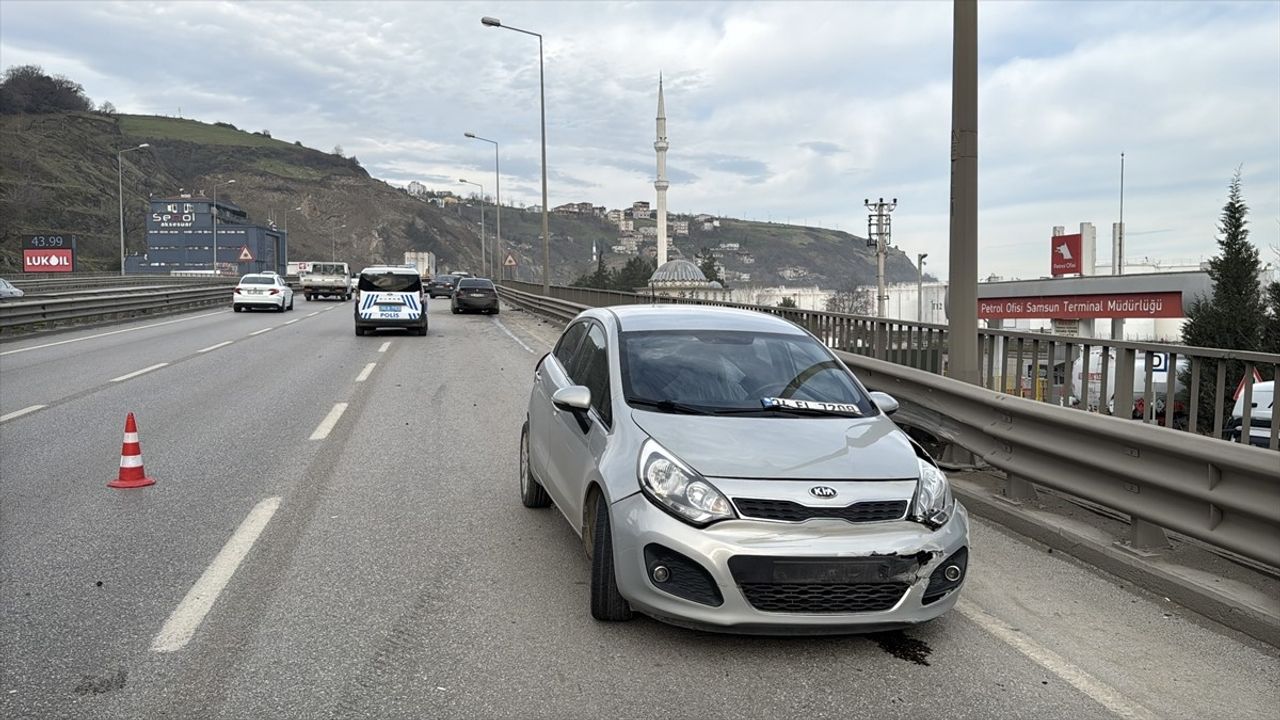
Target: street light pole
(482, 250)
(495, 265)
(542, 104)
(920, 286)
(215, 224)
(120, 194)
(962, 356)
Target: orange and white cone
(132, 475)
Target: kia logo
(822, 491)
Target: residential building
(680, 227)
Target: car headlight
(934, 503)
(675, 487)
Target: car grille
(831, 598)
(795, 512)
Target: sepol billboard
(1071, 307)
(49, 253)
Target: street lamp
(120, 191)
(920, 286)
(482, 252)
(286, 236)
(496, 266)
(542, 103)
(215, 223)
(333, 242)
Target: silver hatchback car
(727, 472)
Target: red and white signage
(1068, 307)
(48, 260)
(1068, 255)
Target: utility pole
(879, 236)
(920, 286)
(962, 334)
(1117, 253)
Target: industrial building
(181, 239)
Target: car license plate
(828, 572)
(390, 308)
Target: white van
(390, 296)
(1260, 414)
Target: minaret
(661, 184)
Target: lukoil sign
(47, 261)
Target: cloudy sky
(790, 111)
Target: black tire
(359, 331)
(237, 308)
(532, 494)
(607, 604)
(457, 311)
(496, 311)
(307, 296)
(281, 308)
(290, 303)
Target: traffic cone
(131, 473)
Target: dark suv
(475, 294)
(442, 285)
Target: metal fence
(1225, 495)
(24, 315)
(1130, 380)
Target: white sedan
(265, 290)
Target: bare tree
(850, 300)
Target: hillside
(58, 175)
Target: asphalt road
(294, 562)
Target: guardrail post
(1145, 538)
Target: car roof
(389, 269)
(641, 318)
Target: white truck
(423, 260)
(326, 279)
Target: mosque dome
(681, 272)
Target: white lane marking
(290, 322)
(224, 343)
(1102, 693)
(136, 373)
(364, 374)
(186, 618)
(259, 332)
(105, 334)
(384, 347)
(326, 425)
(511, 335)
(20, 413)
(314, 313)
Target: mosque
(674, 278)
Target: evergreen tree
(1234, 317)
(709, 271)
(635, 274)
(787, 302)
(1271, 334)
(601, 279)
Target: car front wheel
(532, 494)
(607, 604)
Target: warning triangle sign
(245, 255)
(510, 261)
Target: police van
(390, 296)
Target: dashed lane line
(105, 334)
(511, 335)
(384, 347)
(186, 618)
(366, 372)
(1103, 694)
(259, 332)
(327, 424)
(315, 313)
(224, 343)
(290, 322)
(19, 413)
(136, 373)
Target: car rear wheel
(290, 303)
(607, 603)
(359, 331)
(532, 494)
(307, 296)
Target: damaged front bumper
(815, 577)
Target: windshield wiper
(797, 412)
(668, 406)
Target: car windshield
(733, 372)
(390, 282)
(257, 280)
(328, 269)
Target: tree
(635, 274)
(601, 278)
(27, 89)
(337, 150)
(1234, 316)
(106, 108)
(787, 302)
(850, 300)
(1271, 334)
(708, 268)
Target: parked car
(442, 286)
(475, 294)
(262, 290)
(8, 290)
(1261, 411)
(726, 471)
(390, 296)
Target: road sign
(245, 255)
(510, 261)
(48, 253)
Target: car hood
(835, 448)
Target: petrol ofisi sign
(1068, 254)
(1066, 307)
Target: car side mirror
(885, 402)
(575, 398)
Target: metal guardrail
(37, 314)
(1037, 365)
(1225, 495)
